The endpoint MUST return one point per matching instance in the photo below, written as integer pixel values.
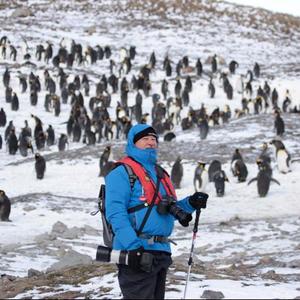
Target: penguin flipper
(295, 160)
(288, 160)
(252, 180)
(274, 180)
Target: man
(142, 215)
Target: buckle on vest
(151, 241)
(157, 239)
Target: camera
(105, 254)
(168, 205)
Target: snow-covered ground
(239, 228)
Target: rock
(266, 260)
(7, 278)
(184, 257)
(232, 221)
(9, 248)
(71, 258)
(209, 294)
(294, 263)
(61, 245)
(33, 272)
(29, 208)
(22, 12)
(71, 233)
(270, 261)
(59, 228)
(90, 30)
(272, 275)
(44, 238)
(91, 231)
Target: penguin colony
(88, 101)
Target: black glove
(198, 200)
(134, 258)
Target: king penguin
(200, 177)
(283, 157)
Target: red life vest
(147, 183)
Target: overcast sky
(284, 6)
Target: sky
(284, 6)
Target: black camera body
(105, 254)
(168, 205)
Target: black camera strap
(159, 177)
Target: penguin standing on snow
(203, 127)
(264, 159)
(2, 117)
(5, 206)
(200, 177)
(104, 159)
(62, 142)
(283, 157)
(278, 124)
(40, 166)
(264, 155)
(214, 166)
(177, 173)
(236, 155)
(264, 178)
(239, 170)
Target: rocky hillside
(270, 38)
(231, 258)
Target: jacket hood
(144, 156)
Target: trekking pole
(190, 262)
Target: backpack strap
(145, 179)
(132, 178)
(161, 173)
(131, 174)
(140, 230)
(166, 181)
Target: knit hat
(149, 131)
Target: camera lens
(168, 205)
(103, 254)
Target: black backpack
(108, 234)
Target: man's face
(146, 142)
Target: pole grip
(195, 229)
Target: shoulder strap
(166, 181)
(140, 230)
(131, 174)
(145, 179)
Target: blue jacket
(120, 197)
